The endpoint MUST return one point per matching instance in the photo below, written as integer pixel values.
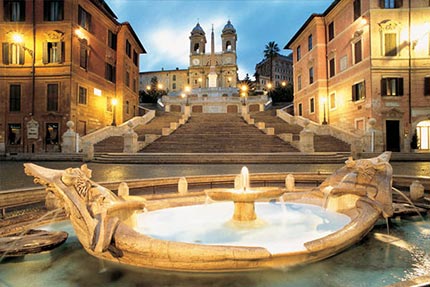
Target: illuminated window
(14, 134)
(53, 52)
(358, 92)
(13, 54)
(52, 132)
(392, 87)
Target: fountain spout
(244, 179)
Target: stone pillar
(69, 139)
(182, 185)
(373, 138)
(306, 139)
(130, 140)
(290, 182)
(88, 151)
(187, 111)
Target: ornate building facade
(364, 59)
(63, 60)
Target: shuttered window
(392, 87)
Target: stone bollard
(123, 190)
(88, 151)
(182, 185)
(290, 182)
(69, 139)
(130, 140)
(306, 139)
(416, 190)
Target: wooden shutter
(5, 52)
(45, 59)
(60, 49)
(399, 3)
(400, 86)
(383, 87)
(21, 55)
(427, 86)
(354, 93)
(381, 3)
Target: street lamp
(200, 83)
(114, 103)
(244, 93)
(229, 81)
(323, 100)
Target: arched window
(228, 46)
(196, 48)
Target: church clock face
(228, 60)
(196, 61)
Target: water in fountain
(409, 201)
(244, 179)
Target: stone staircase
(218, 133)
(322, 143)
(111, 144)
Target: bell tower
(229, 38)
(197, 45)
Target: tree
(152, 93)
(282, 94)
(271, 50)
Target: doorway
(392, 135)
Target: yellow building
(364, 59)
(63, 60)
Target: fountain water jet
(106, 227)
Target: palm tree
(271, 50)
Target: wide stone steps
(111, 144)
(218, 133)
(322, 143)
(156, 125)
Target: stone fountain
(244, 198)
(108, 228)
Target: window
(427, 86)
(135, 58)
(127, 78)
(390, 44)
(84, 19)
(110, 73)
(52, 98)
(312, 105)
(53, 10)
(332, 101)
(82, 96)
(392, 87)
(299, 82)
(14, 10)
(53, 52)
(311, 75)
(357, 52)
(174, 86)
(109, 104)
(390, 4)
(14, 134)
(300, 109)
(299, 53)
(52, 133)
(83, 56)
(127, 107)
(332, 67)
(358, 92)
(112, 40)
(174, 78)
(310, 42)
(128, 48)
(331, 31)
(15, 98)
(134, 85)
(357, 9)
(13, 54)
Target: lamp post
(324, 100)
(244, 93)
(114, 103)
